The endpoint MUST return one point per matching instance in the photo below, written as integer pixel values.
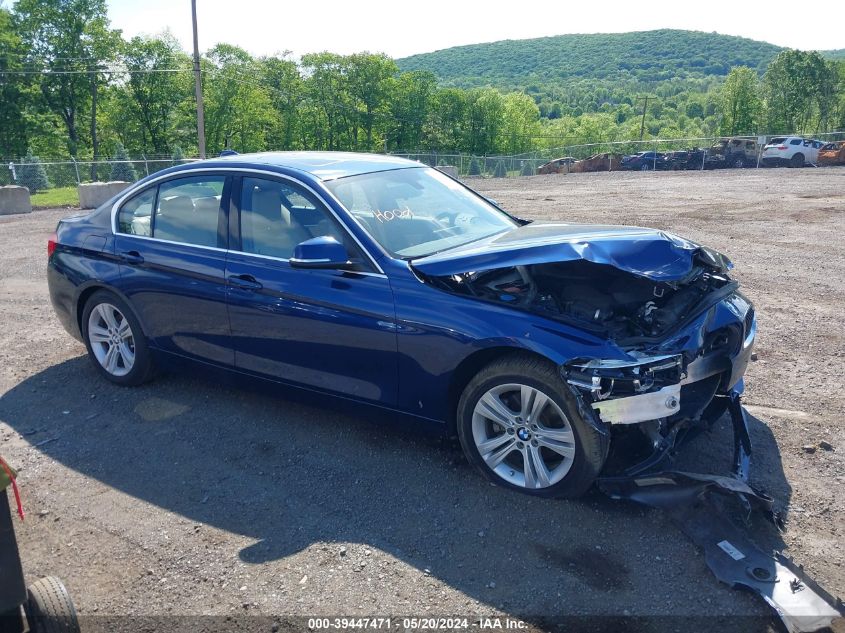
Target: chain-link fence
(71, 173)
(67, 173)
(530, 162)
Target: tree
(500, 171)
(797, 88)
(520, 123)
(486, 118)
(69, 38)
(411, 103)
(326, 86)
(154, 97)
(13, 98)
(527, 169)
(31, 174)
(239, 112)
(740, 104)
(178, 156)
(286, 93)
(474, 167)
(446, 121)
(370, 86)
(122, 169)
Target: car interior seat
(267, 227)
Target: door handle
(132, 257)
(246, 282)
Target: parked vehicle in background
(557, 165)
(684, 159)
(832, 154)
(598, 162)
(793, 151)
(735, 152)
(643, 161)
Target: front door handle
(132, 257)
(246, 282)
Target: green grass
(58, 197)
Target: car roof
(321, 165)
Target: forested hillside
(71, 86)
(570, 75)
(642, 57)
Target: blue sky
(403, 28)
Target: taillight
(781, 147)
(51, 245)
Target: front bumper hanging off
(689, 500)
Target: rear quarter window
(135, 216)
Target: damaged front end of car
(681, 331)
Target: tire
(645, 167)
(115, 341)
(487, 415)
(739, 162)
(49, 608)
(797, 160)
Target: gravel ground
(190, 496)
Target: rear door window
(188, 210)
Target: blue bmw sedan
(380, 280)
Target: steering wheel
(445, 216)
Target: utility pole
(198, 85)
(642, 125)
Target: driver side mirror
(320, 253)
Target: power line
(47, 71)
(31, 56)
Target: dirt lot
(192, 497)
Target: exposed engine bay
(659, 394)
(598, 297)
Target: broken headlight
(620, 378)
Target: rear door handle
(246, 282)
(132, 257)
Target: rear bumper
(63, 297)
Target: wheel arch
(87, 291)
(470, 366)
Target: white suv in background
(794, 151)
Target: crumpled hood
(649, 253)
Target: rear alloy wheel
(645, 167)
(521, 427)
(115, 342)
(739, 162)
(797, 160)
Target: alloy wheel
(111, 339)
(523, 436)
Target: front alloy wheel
(521, 426)
(523, 436)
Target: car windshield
(419, 211)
